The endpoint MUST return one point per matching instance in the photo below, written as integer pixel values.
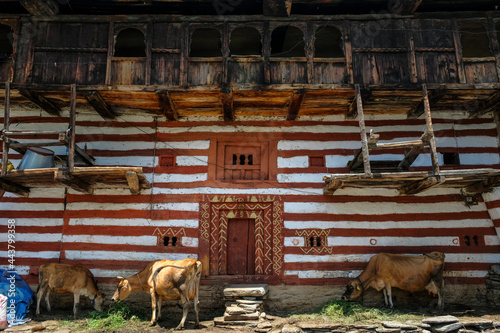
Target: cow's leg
(185, 308)
(196, 303)
(47, 299)
(388, 296)
(158, 308)
(440, 300)
(153, 308)
(76, 305)
(39, 295)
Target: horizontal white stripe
(107, 206)
(420, 224)
(177, 178)
(106, 273)
(293, 162)
(294, 241)
(132, 256)
(191, 160)
(473, 257)
(135, 222)
(300, 178)
(393, 241)
(374, 208)
(28, 206)
(27, 254)
(22, 237)
(317, 145)
(190, 241)
(45, 222)
(20, 270)
(492, 240)
(469, 274)
(184, 206)
(492, 196)
(198, 144)
(125, 240)
(120, 145)
(324, 274)
(138, 161)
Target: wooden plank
(6, 122)
(348, 51)
(352, 110)
(434, 97)
(167, 105)
(494, 46)
(41, 7)
(149, 46)
(40, 101)
(66, 178)
(133, 182)
(489, 105)
(458, 53)
(430, 131)
(483, 186)
(406, 7)
(296, 100)
(6, 186)
(83, 154)
(109, 56)
(332, 186)
(71, 129)
(227, 103)
(98, 103)
(364, 141)
(412, 61)
(420, 186)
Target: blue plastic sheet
(15, 288)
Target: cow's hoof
(178, 328)
(151, 324)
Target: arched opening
(245, 41)
(206, 42)
(287, 41)
(328, 43)
(6, 36)
(130, 43)
(475, 41)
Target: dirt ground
(56, 322)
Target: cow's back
(66, 278)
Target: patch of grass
(115, 317)
(352, 312)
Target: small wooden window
(170, 241)
(245, 41)
(287, 41)
(450, 158)
(206, 42)
(242, 161)
(130, 42)
(475, 41)
(328, 43)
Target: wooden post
(6, 120)
(429, 131)
(458, 53)
(72, 124)
(111, 40)
(348, 51)
(362, 129)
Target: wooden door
(241, 247)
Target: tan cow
(168, 280)
(62, 278)
(409, 273)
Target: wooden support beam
(133, 182)
(97, 102)
(406, 7)
(352, 110)
(41, 7)
(420, 186)
(332, 186)
(6, 122)
(429, 132)
(71, 129)
(362, 129)
(83, 154)
(483, 186)
(41, 101)
(411, 156)
(14, 188)
(491, 104)
(66, 178)
(167, 106)
(280, 8)
(227, 103)
(295, 103)
(434, 97)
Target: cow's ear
(120, 277)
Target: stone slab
(440, 320)
(447, 328)
(246, 290)
(395, 324)
(238, 317)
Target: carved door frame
(266, 210)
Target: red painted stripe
(373, 198)
(395, 249)
(403, 232)
(14, 214)
(386, 217)
(121, 231)
(127, 248)
(32, 200)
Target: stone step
(246, 290)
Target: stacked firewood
(493, 286)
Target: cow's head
(98, 301)
(123, 290)
(353, 290)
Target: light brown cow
(62, 278)
(168, 280)
(409, 273)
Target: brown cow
(409, 273)
(168, 280)
(62, 278)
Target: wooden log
(420, 186)
(40, 101)
(7, 186)
(6, 122)
(364, 141)
(71, 129)
(483, 186)
(167, 105)
(296, 100)
(38, 144)
(411, 156)
(430, 131)
(66, 178)
(41, 7)
(406, 7)
(227, 103)
(332, 186)
(434, 97)
(83, 154)
(133, 182)
(491, 104)
(97, 102)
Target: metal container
(37, 158)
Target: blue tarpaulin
(15, 288)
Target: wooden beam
(14, 188)
(167, 106)
(6, 123)
(97, 102)
(66, 178)
(362, 129)
(406, 7)
(352, 110)
(133, 182)
(83, 154)
(332, 186)
(41, 101)
(72, 129)
(491, 104)
(411, 156)
(429, 132)
(280, 8)
(227, 103)
(296, 102)
(483, 186)
(434, 97)
(41, 7)
(420, 186)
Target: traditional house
(279, 142)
